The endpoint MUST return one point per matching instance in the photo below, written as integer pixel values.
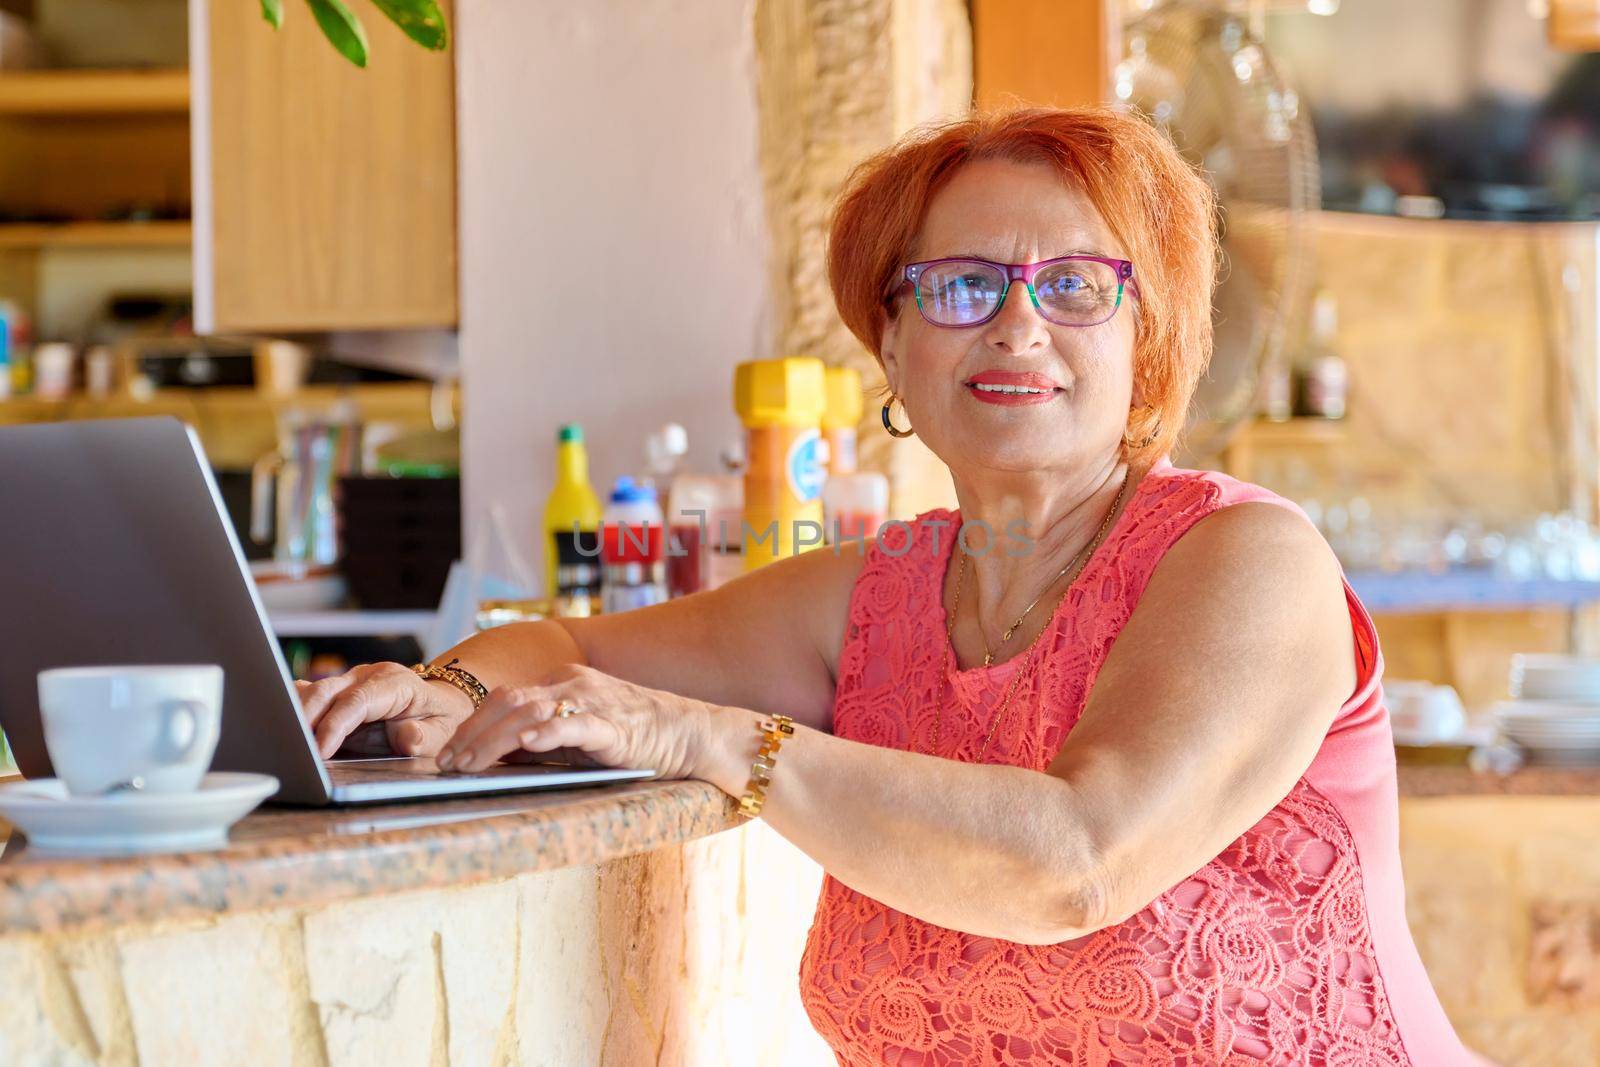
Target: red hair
(1159, 207)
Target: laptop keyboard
(412, 768)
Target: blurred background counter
(1503, 897)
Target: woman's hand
(381, 709)
(618, 724)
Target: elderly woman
(1097, 764)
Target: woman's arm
(768, 641)
(1211, 704)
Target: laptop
(115, 547)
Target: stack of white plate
(1555, 717)
(1552, 677)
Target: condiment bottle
(631, 538)
(1326, 379)
(780, 402)
(578, 585)
(689, 533)
(854, 503)
(572, 503)
(678, 492)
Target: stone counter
(625, 924)
(646, 923)
(278, 857)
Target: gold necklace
(1026, 669)
(988, 654)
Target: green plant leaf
(272, 11)
(342, 28)
(420, 20)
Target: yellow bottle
(572, 501)
(841, 416)
(855, 503)
(781, 402)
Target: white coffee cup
(150, 728)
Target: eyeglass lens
(1069, 293)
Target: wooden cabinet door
(324, 194)
(1051, 53)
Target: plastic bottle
(724, 554)
(854, 503)
(663, 453)
(54, 365)
(780, 402)
(19, 341)
(677, 491)
(631, 543)
(571, 503)
(7, 314)
(714, 505)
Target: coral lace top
(1291, 947)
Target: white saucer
(55, 821)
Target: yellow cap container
(844, 399)
(781, 403)
(781, 392)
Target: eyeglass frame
(1025, 273)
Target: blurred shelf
(1238, 456)
(239, 424)
(351, 623)
(371, 399)
(1466, 590)
(93, 92)
(165, 233)
(1300, 431)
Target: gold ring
(566, 709)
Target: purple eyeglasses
(1069, 291)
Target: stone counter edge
(45, 895)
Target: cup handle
(180, 732)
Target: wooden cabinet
(1574, 25)
(1057, 53)
(324, 194)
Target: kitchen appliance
(1197, 70)
(313, 452)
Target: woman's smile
(1010, 388)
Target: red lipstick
(1010, 388)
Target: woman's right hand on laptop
(381, 709)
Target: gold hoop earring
(888, 425)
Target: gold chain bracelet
(773, 731)
(459, 677)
